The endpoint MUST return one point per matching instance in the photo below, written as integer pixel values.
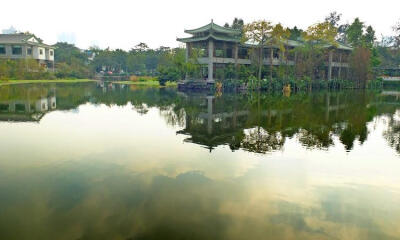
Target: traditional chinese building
(217, 46)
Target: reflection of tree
(392, 134)
(317, 139)
(172, 117)
(252, 121)
(347, 137)
(260, 141)
(314, 119)
(141, 108)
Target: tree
(321, 33)
(333, 18)
(237, 23)
(258, 32)
(369, 37)
(71, 62)
(141, 47)
(360, 63)
(295, 33)
(279, 37)
(355, 33)
(311, 55)
(342, 33)
(396, 29)
(172, 65)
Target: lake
(95, 161)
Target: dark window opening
(2, 49)
(4, 107)
(17, 50)
(20, 107)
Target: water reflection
(255, 122)
(111, 162)
(30, 105)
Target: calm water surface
(84, 161)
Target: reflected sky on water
(88, 161)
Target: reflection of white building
(26, 110)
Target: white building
(26, 46)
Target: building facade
(217, 46)
(26, 46)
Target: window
(17, 50)
(51, 53)
(2, 49)
(29, 51)
(41, 51)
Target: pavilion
(217, 46)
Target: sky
(124, 24)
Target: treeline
(169, 64)
(310, 70)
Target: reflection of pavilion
(214, 127)
(26, 110)
(218, 124)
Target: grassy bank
(147, 83)
(10, 82)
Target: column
(187, 58)
(328, 105)
(209, 114)
(187, 52)
(236, 53)
(330, 65)
(340, 67)
(11, 106)
(210, 60)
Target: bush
(22, 69)
(135, 78)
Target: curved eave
(290, 43)
(215, 27)
(196, 39)
(340, 46)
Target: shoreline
(146, 83)
(139, 84)
(13, 82)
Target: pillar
(236, 53)
(187, 52)
(187, 58)
(328, 105)
(210, 60)
(209, 114)
(11, 107)
(340, 67)
(272, 63)
(330, 65)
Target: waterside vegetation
(367, 59)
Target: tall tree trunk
(271, 62)
(260, 62)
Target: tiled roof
(215, 27)
(220, 38)
(14, 38)
(20, 38)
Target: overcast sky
(123, 24)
